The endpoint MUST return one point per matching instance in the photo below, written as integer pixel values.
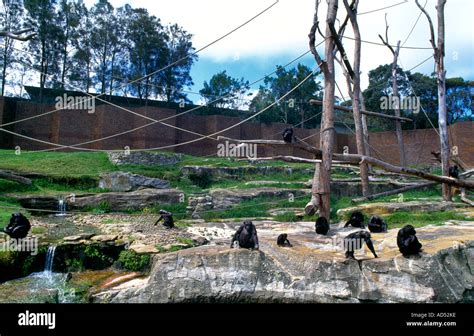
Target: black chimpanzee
(246, 236)
(288, 135)
(454, 171)
(167, 218)
(407, 242)
(356, 220)
(322, 225)
(377, 225)
(283, 241)
(355, 241)
(18, 227)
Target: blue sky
(280, 34)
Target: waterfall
(48, 266)
(62, 205)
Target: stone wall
(69, 127)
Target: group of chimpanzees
(408, 244)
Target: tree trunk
(398, 125)
(442, 110)
(356, 93)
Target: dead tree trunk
(355, 96)
(398, 125)
(321, 194)
(13, 177)
(439, 52)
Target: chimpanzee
(322, 225)
(167, 218)
(18, 227)
(407, 242)
(377, 225)
(454, 171)
(283, 241)
(355, 241)
(288, 135)
(246, 236)
(356, 220)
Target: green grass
(419, 219)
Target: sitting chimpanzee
(356, 220)
(407, 242)
(377, 225)
(288, 135)
(322, 225)
(18, 227)
(283, 241)
(454, 171)
(355, 241)
(167, 218)
(246, 236)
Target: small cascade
(62, 207)
(48, 266)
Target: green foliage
(95, 258)
(133, 261)
(184, 240)
(222, 84)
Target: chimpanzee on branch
(356, 220)
(322, 225)
(288, 135)
(18, 227)
(246, 236)
(167, 218)
(454, 171)
(377, 225)
(283, 241)
(355, 241)
(407, 242)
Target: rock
(383, 208)
(141, 248)
(122, 181)
(313, 271)
(77, 237)
(236, 172)
(104, 238)
(144, 158)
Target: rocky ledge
(313, 271)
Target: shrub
(132, 261)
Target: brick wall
(69, 127)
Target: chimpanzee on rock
(18, 227)
(454, 171)
(288, 135)
(377, 225)
(322, 225)
(246, 236)
(355, 241)
(407, 242)
(167, 218)
(356, 220)
(283, 241)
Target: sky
(281, 34)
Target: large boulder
(122, 181)
(313, 271)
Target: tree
(459, 100)
(10, 21)
(45, 47)
(222, 85)
(295, 108)
(80, 72)
(147, 52)
(179, 47)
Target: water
(62, 207)
(48, 266)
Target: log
(13, 177)
(369, 113)
(355, 159)
(393, 192)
